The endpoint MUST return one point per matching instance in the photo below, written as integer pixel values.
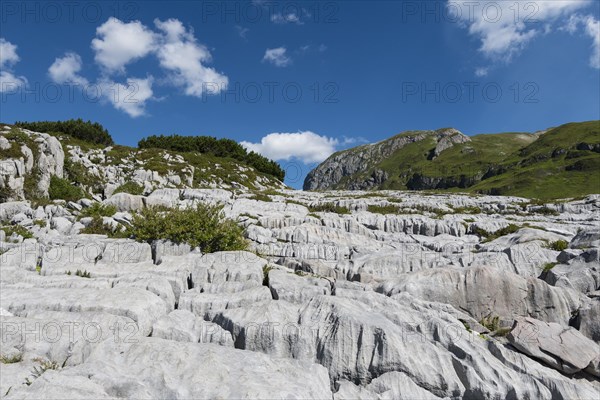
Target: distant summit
(559, 162)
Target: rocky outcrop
(564, 349)
(360, 160)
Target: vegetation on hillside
(562, 162)
(88, 131)
(217, 147)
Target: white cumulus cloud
(131, 97)
(277, 57)
(506, 27)
(592, 29)
(306, 146)
(66, 70)
(118, 43)
(8, 53)
(183, 57)
(9, 57)
(289, 18)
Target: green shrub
(98, 227)
(489, 236)
(546, 211)
(329, 207)
(78, 173)
(18, 229)
(131, 188)
(88, 131)
(261, 197)
(559, 245)
(203, 226)
(388, 209)
(99, 210)
(6, 194)
(40, 222)
(217, 147)
(62, 189)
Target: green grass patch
(131, 188)
(490, 236)
(62, 189)
(98, 210)
(18, 229)
(387, 209)
(330, 208)
(559, 245)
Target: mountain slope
(560, 162)
(32, 162)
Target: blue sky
(298, 80)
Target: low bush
(18, 229)
(329, 207)
(388, 209)
(489, 236)
(203, 226)
(98, 210)
(131, 188)
(62, 189)
(87, 131)
(261, 197)
(217, 147)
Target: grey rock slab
(140, 305)
(183, 326)
(205, 305)
(482, 291)
(562, 348)
(285, 285)
(157, 368)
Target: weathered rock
(564, 349)
(157, 368)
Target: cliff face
(345, 169)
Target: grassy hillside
(562, 162)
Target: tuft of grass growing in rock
(261, 197)
(492, 323)
(18, 229)
(266, 270)
(329, 207)
(203, 226)
(468, 210)
(490, 236)
(559, 245)
(11, 360)
(387, 209)
(130, 188)
(549, 266)
(80, 273)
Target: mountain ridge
(446, 159)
